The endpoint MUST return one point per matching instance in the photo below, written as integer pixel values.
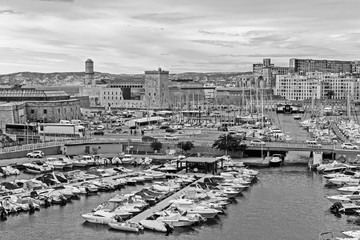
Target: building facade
(52, 111)
(267, 73)
(317, 85)
(302, 66)
(156, 89)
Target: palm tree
(330, 94)
(228, 142)
(186, 146)
(156, 146)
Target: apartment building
(317, 85)
(303, 66)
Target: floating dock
(162, 204)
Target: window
(45, 111)
(32, 111)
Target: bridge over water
(300, 146)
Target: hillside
(76, 78)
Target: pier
(162, 204)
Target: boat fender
(3, 214)
(47, 202)
(63, 201)
(169, 229)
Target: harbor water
(285, 203)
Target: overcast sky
(130, 36)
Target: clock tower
(157, 89)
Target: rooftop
(200, 160)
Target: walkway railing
(31, 147)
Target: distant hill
(77, 78)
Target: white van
(65, 122)
(76, 122)
(313, 144)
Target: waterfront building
(21, 105)
(148, 92)
(40, 111)
(156, 89)
(267, 72)
(317, 85)
(302, 66)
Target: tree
(330, 94)
(186, 146)
(229, 143)
(156, 146)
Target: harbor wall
(19, 154)
(91, 148)
(144, 148)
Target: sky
(131, 36)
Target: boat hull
(123, 227)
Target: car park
(35, 154)
(257, 142)
(348, 145)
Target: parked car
(257, 142)
(99, 132)
(265, 138)
(164, 127)
(35, 154)
(100, 127)
(170, 137)
(348, 145)
(313, 144)
(170, 130)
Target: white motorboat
(344, 180)
(67, 161)
(176, 219)
(154, 225)
(37, 169)
(338, 198)
(276, 160)
(127, 159)
(116, 161)
(345, 208)
(89, 159)
(353, 234)
(55, 163)
(334, 175)
(125, 226)
(79, 163)
(349, 190)
(8, 170)
(139, 179)
(203, 211)
(100, 217)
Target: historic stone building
(157, 89)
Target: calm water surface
(285, 203)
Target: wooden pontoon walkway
(162, 204)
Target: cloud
(57, 1)
(9, 12)
(205, 35)
(221, 43)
